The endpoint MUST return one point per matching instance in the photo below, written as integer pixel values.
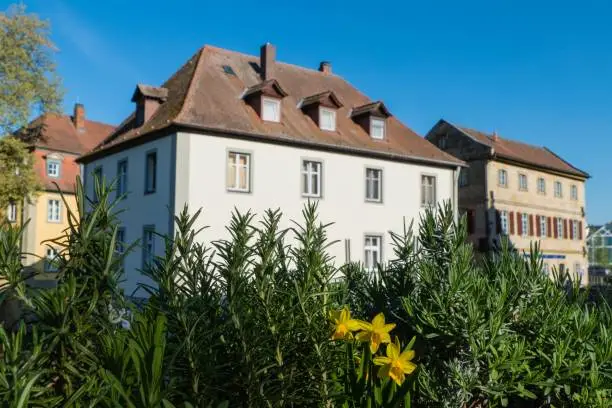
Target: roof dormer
(148, 99)
(372, 117)
(322, 109)
(265, 98)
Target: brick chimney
(78, 118)
(325, 67)
(267, 59)
(495, 137)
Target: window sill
(373, 201)
(54, 222)
(311, 196)
(149, 192)
(238, 190)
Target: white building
(230, 130)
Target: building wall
(139, 209)
(556, 251)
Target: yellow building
(525, 192)
(61, 139)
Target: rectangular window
(53, 168)
(546, 268)
(373, 251)
(327, 119)
(543, 226)
(560, 228)
(504, 222)
(558, 189)
(54, 210)
(523, 182)
(574, 192)
(502, 178)
(374, 185)
(151, 172)
(11, 212)
(270, 109)
(311, 178)
(541, 186)
(464, 177)
(120, 243)
(148, 245)
(238, 172)
(578, 269)
(51, 260)
(524, 224)
(377, 128)
(574, 229)
(122, 170)
(428, 191)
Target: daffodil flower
(344, 325)
(396, 365)
(376, 332)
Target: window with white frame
(51, 260)
(578, 269)
(53, 168)
(502, 178)
(148, 245)
(377, 128)
(504, 221)
(311, 178)
(122, 174)
(54, 207)
(575, 229)
(524, 224)
(270, 109)
(11, 212)
(464, 177)
(558, 189)
(523, 182)
(541, 185)
(428, 191)
(560, 228)
(543, 226)
(238, 171)
(373, 185)
(327, 119)
(372, 252)
(574, 192)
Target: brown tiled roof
(57, 132)
(202, 95)
(374, 107)
(523, 152)
(322, 97)
(151, 92)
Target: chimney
(325, 67)
(495, 138)
(267, 59)
(78, 118)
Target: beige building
(525, 192)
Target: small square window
(372, 252)
(311, 178)
(502, 178)
(238, 172)
(54, 210)
(151, 173)
(327, 119)
(374, 185)
(523, 182)
(377, 128)
(541, 185)
(11, 212)
(270, 109)
(428, 191)
(53, 168)
(51, 260)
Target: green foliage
(18, 179)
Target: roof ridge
(196, 73)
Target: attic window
(377, 128)
(265, 98)
(228, 70)
(270, 111)
(322, 108)
(372, 117)
(327, 119)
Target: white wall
(140, 209)
(276, 183)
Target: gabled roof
(327, 98)
(204, 97)
(149, 91)
(57, 132)
(375, 108)
(271, 87)
(540, 157)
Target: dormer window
(270, 111)
(148, 99)
(327, 119)
(265, 98)
(372, 117)
(377, 128)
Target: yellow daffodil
(344, 325)
(396, 365)
(376, 332)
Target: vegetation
(261, 320)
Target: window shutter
(538, 227)
(550, 230)
(565, 228)
(511, 223)
(571, 230)
(580, 230)
(555, 229)
(531, 225)
(519, 223)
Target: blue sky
(540, 72)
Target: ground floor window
(373, 250)
(51, 260)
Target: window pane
(271, 110)
(377, 128)
(327, 119)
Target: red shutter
(565, 228)
(555, 230)
(531, 225)
(571, 230)
(538, 228)
(550, 229)
(519, 224)
(511, 223)
(580, 230)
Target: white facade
(192, 169)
